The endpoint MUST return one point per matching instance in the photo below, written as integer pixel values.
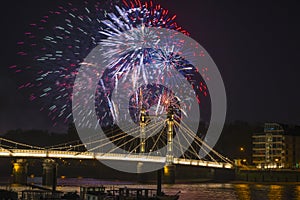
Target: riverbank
(274, 176)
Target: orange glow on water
(276, 191)
(298, 192)
(243, 191)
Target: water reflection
(298, 192)
(243, 191)
(203, 191)
(275, 192)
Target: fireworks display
(55, 48)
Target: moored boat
(143, 194)
(124, 193)
(7, 194)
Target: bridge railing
(78, 155)
(182, 161)
(108, 156)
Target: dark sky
(255, 44)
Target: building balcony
(258, 155)
(258, 142)
(258, 149)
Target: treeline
(42, 138)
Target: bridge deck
(28, 153)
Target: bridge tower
(142, 147)
(20, 171)
(142, 130)
(169, 169)
(170, 123)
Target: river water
(201, 191)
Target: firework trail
(57, 45)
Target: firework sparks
(57, 45)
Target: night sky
(255, 45)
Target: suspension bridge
(141, 146)
(36, 152)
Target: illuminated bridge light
(106, 156)
(61, 152)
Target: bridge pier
(141, 177)
(50, 173)
(169, 174)
(140, 167)
(20, 171)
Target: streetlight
(243, 160)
